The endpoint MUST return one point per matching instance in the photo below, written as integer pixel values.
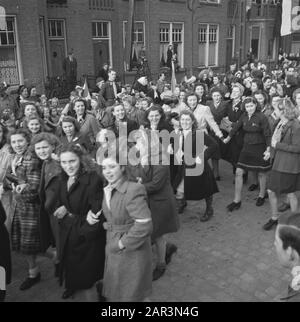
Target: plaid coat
(25, 227)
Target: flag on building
(290, 17)
(3, 25)
(86, 93)
(173, 78)
(129, 35)
(248, 8)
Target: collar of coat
(122, 186)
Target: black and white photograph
(145, 147)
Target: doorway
(57, 52)
(101, 54)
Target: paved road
(228, 259)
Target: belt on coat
(117, 228)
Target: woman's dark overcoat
(82, 245)
(5, 258)
(202, 186)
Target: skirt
(283, 183)
(252, 158)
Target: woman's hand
(92, 218)
(170, 149)
(227, 140)
(19, 188)
(267, 154)
(61, 212)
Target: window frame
(208, 41)
(17, 53)
(109, 38)
(171, 24)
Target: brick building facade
(39, 34)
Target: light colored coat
(128, 272)
(205, 118)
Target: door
(101, 54)
(229, 44)
(57, 52)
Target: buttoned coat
(287, 151)
(82, 245)
(49, 197)
(162, 203)
(128, 272)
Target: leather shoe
(207, 216)
(29, 282)
(67, 294)
(158, 272)
(284, 207)
(170, 250)
(260, 202)
(269, 225)
(253, 187)
(234, 206)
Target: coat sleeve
(33, 177)
(158, 180)
(211, 146)
(294, 147)
(212, 123)
(266, 129)
(237, 126)
(138, 210)
(95, 191)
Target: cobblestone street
(227, 259)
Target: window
(208, 44)
(102, 44)
(138, 39)
(56, 28)
(8, 53)
(171, 34)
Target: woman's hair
(70, 119)
(249, 100)
(203, 86)
(189, 95)
(259, 83)
(50, 138)
(4, 135)
(86, 163)
(34, 117)
(21, 88)
(193, 118)
(289, 232)
(22, 132)
(216, 90)
(155, 108)
(290, 111)
(82, 101)
(264, 94)
(129, 99)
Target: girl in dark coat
(44, 145)
(196, 186)
(82, 245)
(5, 259)
(255, 155)
(156, 179)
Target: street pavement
(228, 259)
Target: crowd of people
(106, 222)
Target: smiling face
(154, 118)
(186, 122)
(192, 102)
(34, 126)
(18, 143)
(30, 110)
(68, 128)
(112, 171)
(119, 113)
(43, 150)
(250, 108)
(199, 91)
(236, 93)
(261, 99)
(70, 163)
(79, 108)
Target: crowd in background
(108, 223)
